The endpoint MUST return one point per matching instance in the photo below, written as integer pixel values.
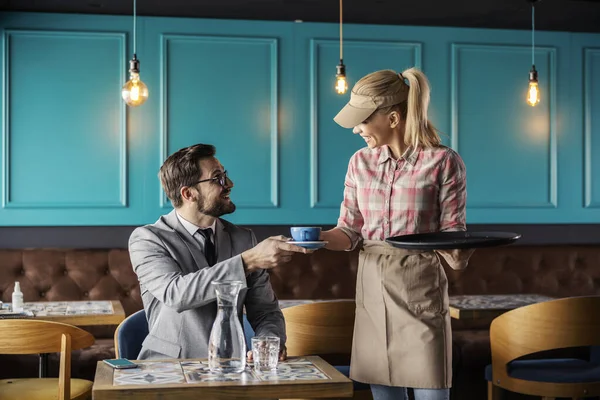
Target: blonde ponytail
(419, 132)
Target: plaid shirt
(421, 192)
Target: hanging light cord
(532, 33)
(134, 34)
(341, 40)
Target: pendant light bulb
(533, 94)
(341, 85)
(134, 91)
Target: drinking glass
(265, 352)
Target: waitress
(403, 182)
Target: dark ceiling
(556, 15)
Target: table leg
(43, 373)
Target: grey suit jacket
(175, 284)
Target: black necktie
(209, 247)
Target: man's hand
(271, 253)
(282, 355)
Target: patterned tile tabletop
(163, 372)
(62, 308)
(297, 302)
(495, 301)
(69, 307)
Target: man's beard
(216, 208)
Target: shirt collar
(192, 228)
(409, 155)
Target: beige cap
(360, 107)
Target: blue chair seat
(345, 370)
(558, 370)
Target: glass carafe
(227, 344)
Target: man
(176, 261)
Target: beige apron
(402, 333)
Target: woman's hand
(337, 239)
(456, 258)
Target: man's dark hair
(182, 168)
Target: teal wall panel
(202, 74)
(59, 151)
(519, 150)
(262, 92)
(70, 152)
(591, 111)
(226, 83)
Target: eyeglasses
(221, 179)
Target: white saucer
(309, 245)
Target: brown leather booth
(74, 274)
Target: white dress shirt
(193, 230)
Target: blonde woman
(403, 182)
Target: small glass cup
(265, 352)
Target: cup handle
(304, 233)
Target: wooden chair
(325, 329)
(556, 324)
(22, 336)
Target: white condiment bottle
(17, 298)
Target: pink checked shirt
(421, 192)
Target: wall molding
(5, 135)
(416, 48)
(274, 121)
(551, 52)
(588, 182)
(105, 237)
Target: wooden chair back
(323, 328)
(22, 336)
(555, 324)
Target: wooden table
(307, 377)
(78, 313)
(489, 306)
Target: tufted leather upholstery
(553, 270)
(321, 275)
(63, 274)
(70, 274)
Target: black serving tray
(453, 240)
